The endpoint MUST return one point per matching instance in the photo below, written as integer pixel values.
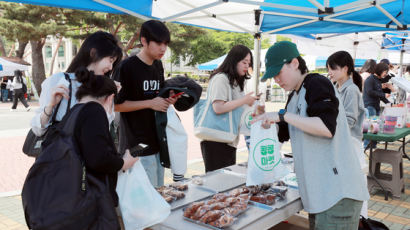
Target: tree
(29, 23)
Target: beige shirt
(219, 90)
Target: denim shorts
(154, 169)
(344, 215)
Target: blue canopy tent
(321, 62)
(213, 64)
(258, 17)
(397, 42)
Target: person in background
(99, 53)
(232, 73)
(387, 87)
(373, 94)
(10, 88)
(407, 73)
(367, 70)
(349, 84)
(142, 76)
(18, 82)
(4, 90)
(315, 123)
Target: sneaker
(28, 109)
(12, 110)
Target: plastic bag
(177, 142)
(264, 162)
(140, 204)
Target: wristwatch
(281, 114)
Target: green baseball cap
(277, 55)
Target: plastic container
(390, 120)
(389, 129)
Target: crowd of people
(15, 89)
(317, 118)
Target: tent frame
(325, 12)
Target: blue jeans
(154, 169)
(371, 111)
(4, 94)
(248, 142)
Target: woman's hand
(267, 119)
(57, 94)
(129, 160)
(248, 99)
(118, 85)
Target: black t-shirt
(139, 82)
(321, 102)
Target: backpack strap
(53, 118)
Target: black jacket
(373, 93)
(192, 93)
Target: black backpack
(58, 193)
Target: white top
(46, 89)
(18, 85)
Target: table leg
(403, 148)
(373, 176)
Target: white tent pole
(360, 23)
(122, 9)
(257, 51)
(257, 61)
(291, 26)
(401, 62)
(388, 14)
(219, 15)
(193, 10)
(355, 45)
(289, 15)
(358, 3)
(317, 4)
(215, 16)
(274, 5)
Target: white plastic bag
(140, 204)
(264, 162)
(177, 142)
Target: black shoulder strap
(53, 119)
(69, 124)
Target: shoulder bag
(32, 144)
(210, 126)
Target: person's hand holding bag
(129, 160)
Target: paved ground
(14, 165)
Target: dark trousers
(217, 155)
(18, 94)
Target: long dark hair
(19, 75)
(342, 59)
(228, 66)
(369, 66)
(96, 47)
(92, 85)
